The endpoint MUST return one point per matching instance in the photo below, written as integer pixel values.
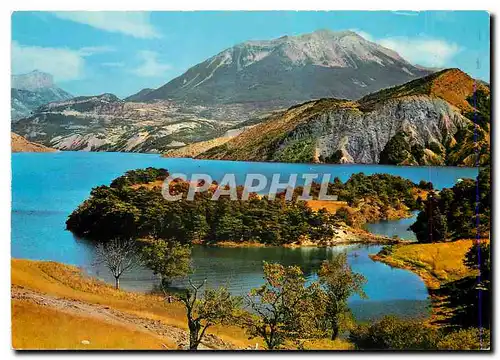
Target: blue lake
(46, 187)
(394, 228)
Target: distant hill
(106, 123)
(428, 121)
(29, 91)
(139, 95)
(20, 144)
(290, 69)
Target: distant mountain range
(106, 123)
(428, 121)
(29, 91)
(236, 88)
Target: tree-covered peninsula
(132, 206)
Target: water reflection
(390, 291)
(393, 228)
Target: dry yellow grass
(68, 282)
(158, 184)
(331, 206)
(193, 150)
(150, 186)
(42, 327)
(39, 327)
(20, 144)
(420, 192)
(327, 344)
(455, 87)
(436, 263)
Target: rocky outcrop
(361, 137)
(416, 120)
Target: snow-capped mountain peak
(323, 63)
(321, 48)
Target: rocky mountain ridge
(107, 123)
(32, 81)
(429, 121)
(290, 69)
(237, 87)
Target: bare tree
(119, 256)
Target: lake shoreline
(351, 236)
(43, 202)
(431, 282)
(428, 271)
(160, 156)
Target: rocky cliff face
(414, 124)
(360, 137)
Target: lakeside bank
(437, 264)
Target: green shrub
(343, 214)
(466, 339)
(392, 333)
(396, 151)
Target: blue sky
(123, 52)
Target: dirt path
(105, 313)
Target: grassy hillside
(452, 85)
(193, 150)
(453, 287)
(54, 281)
(39, 327)
(55, 306)
(261, 142)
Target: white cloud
(64, 64)
(91, 50)
(136, 24)
(113, 64)
(150, 66)
(422, 51)
(363, 34)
